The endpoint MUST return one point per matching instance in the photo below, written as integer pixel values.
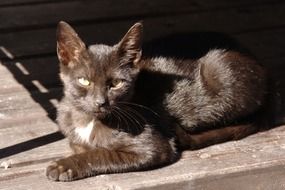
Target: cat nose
(100, 102)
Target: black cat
(122, 112)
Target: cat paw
(60, 171)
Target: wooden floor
(30, 89)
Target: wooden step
(42, 41)
(256, 162)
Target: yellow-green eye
(83, 81)
(117, 83)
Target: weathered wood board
(256, 162)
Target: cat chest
(85, 133)
(95, 134)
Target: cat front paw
(61, 170)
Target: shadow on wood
(30, 144)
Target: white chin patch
(85, 132)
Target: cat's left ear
(129, 48)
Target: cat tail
(214, 136)
(195, 140)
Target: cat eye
(117, 83)
(83, 81)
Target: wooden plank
(25, 160)
(15, 86)
(15, 119)
(257, 178)
(224, 3)
(252, 159)
(28, 71)
(28, 43)
(75, 11)
(264, 44)
(23, 131)
(39, 15)
(5, 3)
(17, 102)
(205, 3)
(23, 114)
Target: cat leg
(101, 160)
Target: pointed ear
(129, 48)
(69, 46)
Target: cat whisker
(140, 106)
(121, 115)
(115, 113)
(135, 112)
(131, 119)
(140, 125)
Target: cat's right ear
(129, 48)
(70, 48)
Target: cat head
(97, 79)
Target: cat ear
(69, 46)
(129, 48)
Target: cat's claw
(57, 172)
